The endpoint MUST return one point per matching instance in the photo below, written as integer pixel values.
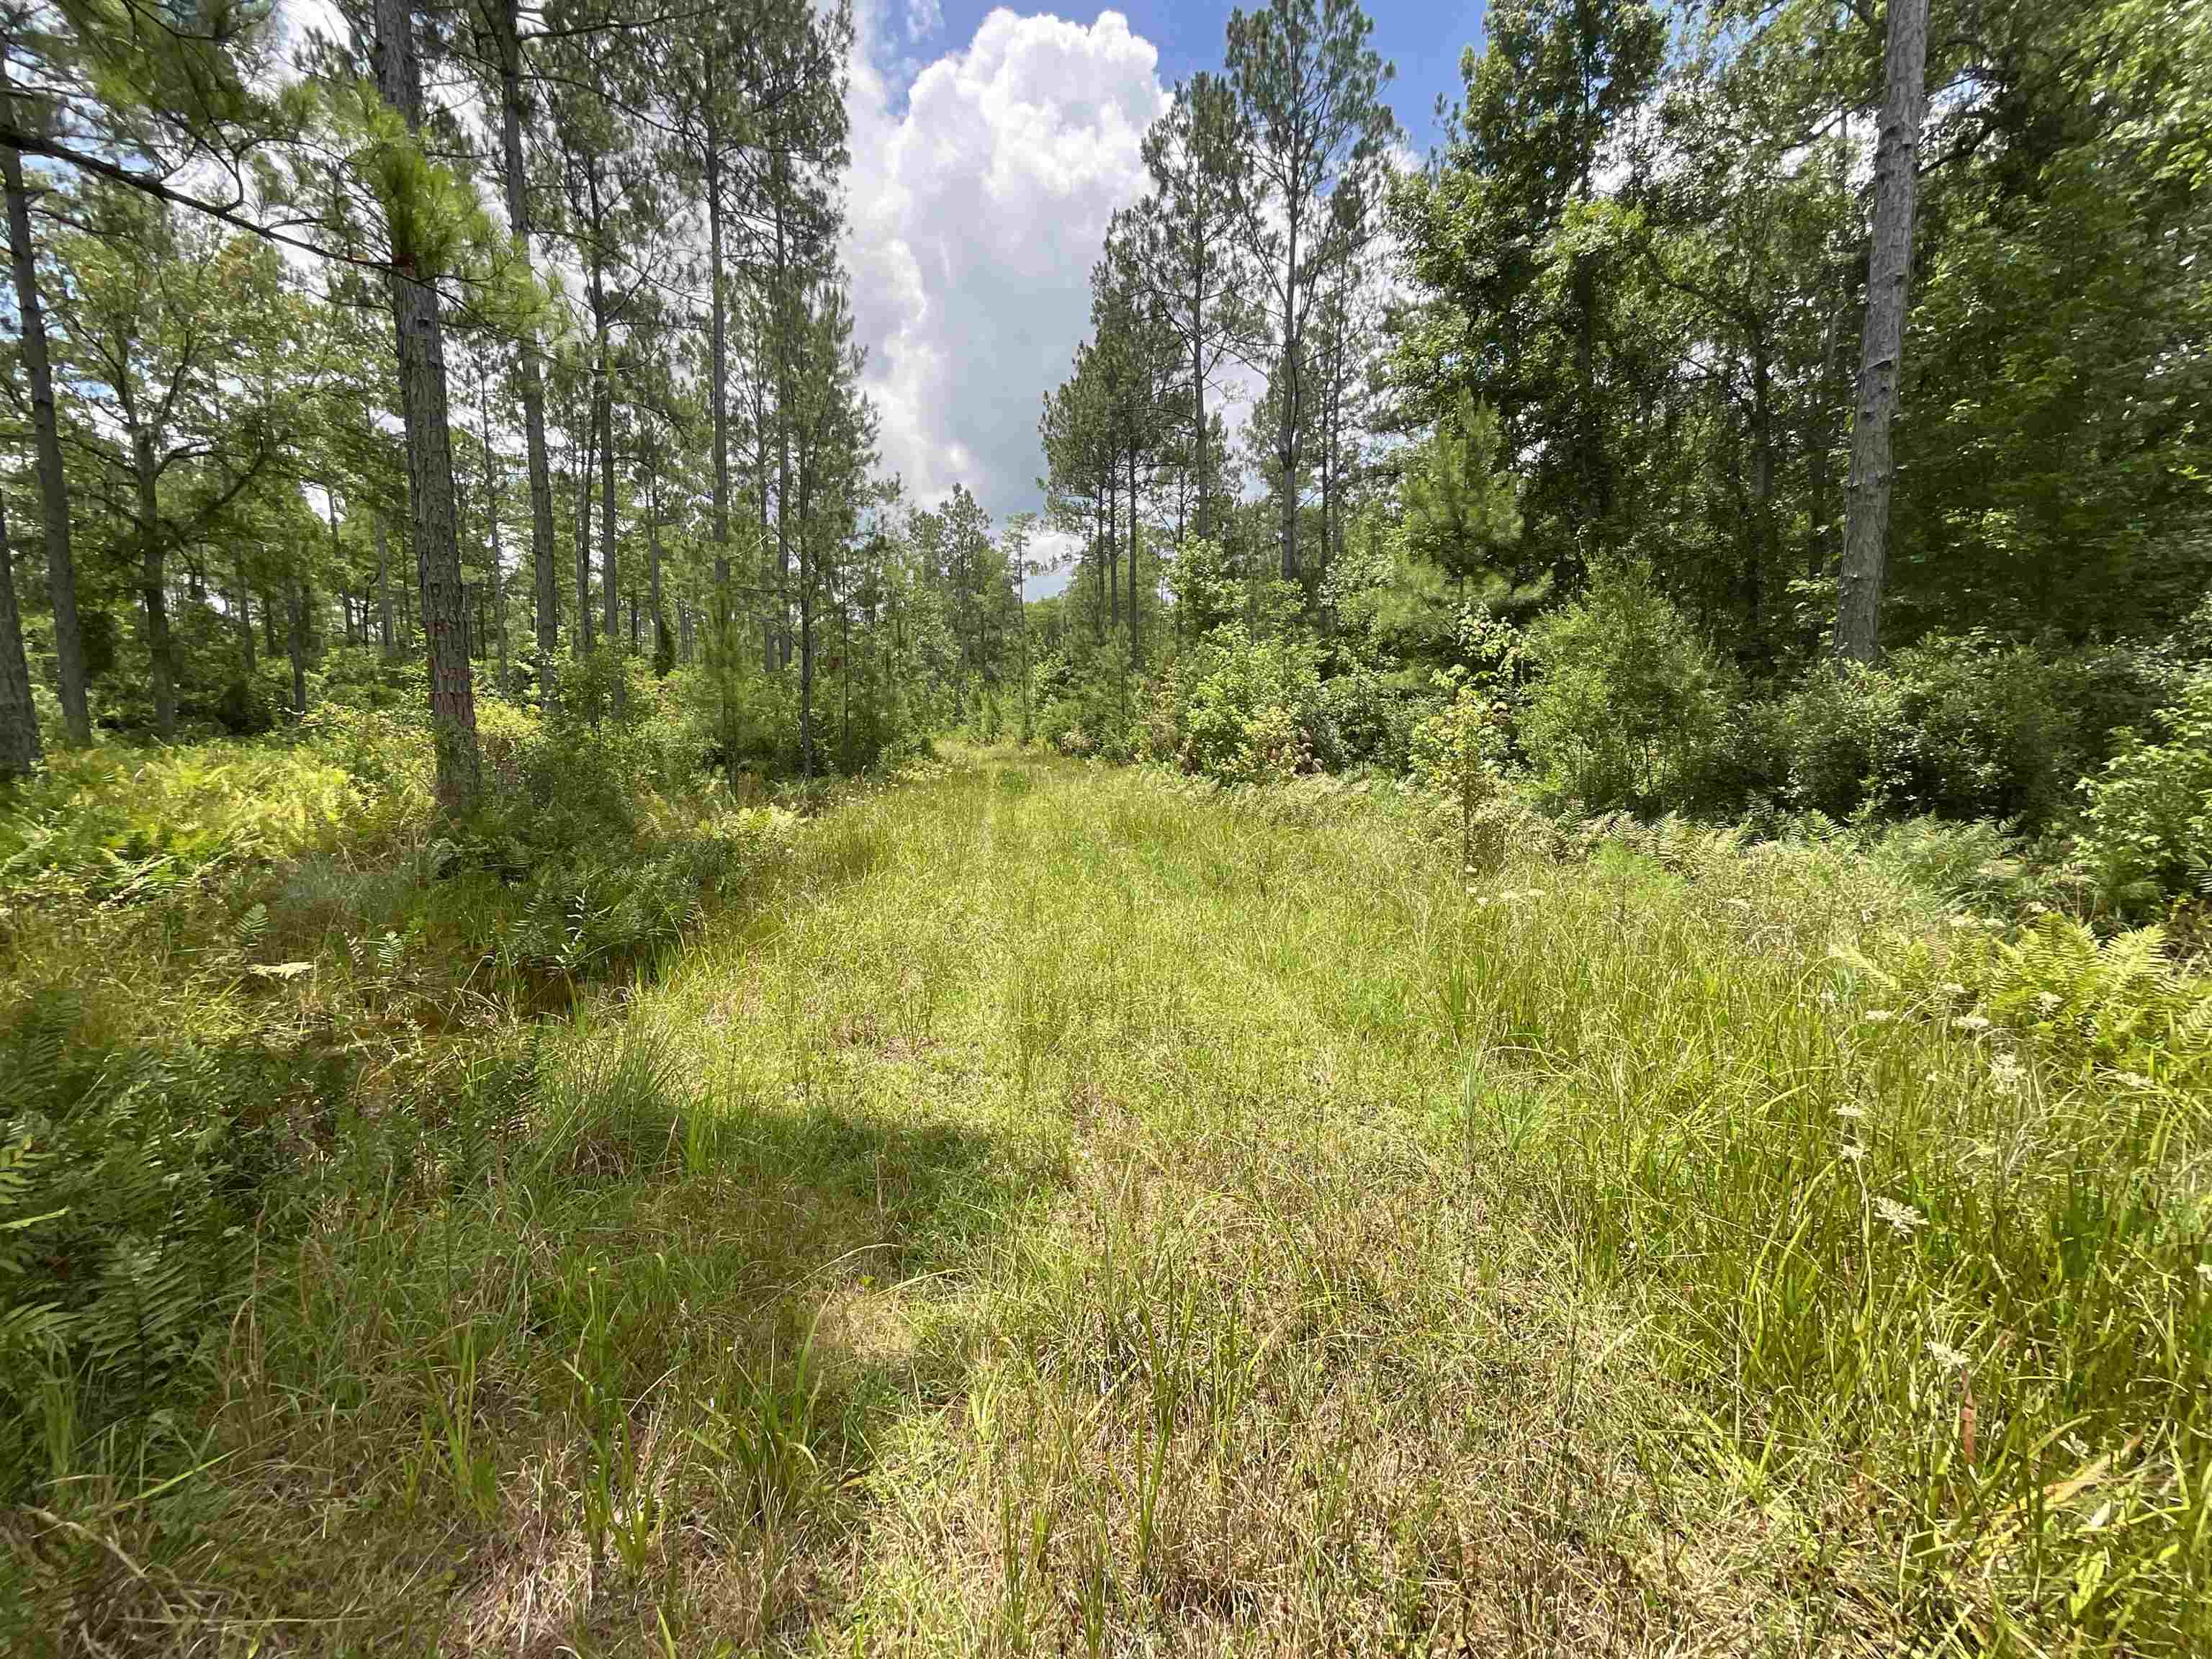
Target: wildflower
(1903, 1219)
(2133, 1080)
(1947, 1356)
(2046, 1002)
(1962, 921)
(1879, 1016)
(2077, 1446)
(1951, 987)
(1856, 1153)
(1973, 1024)
(2008, 1074)
(1852, 1112)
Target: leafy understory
(1077, 1211)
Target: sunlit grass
(1071, 1211)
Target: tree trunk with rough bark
(582, 638)
(420, 328)
(1882, 350)
(53, 482)
(385, 641)
(19, 715)
(243, 601)
(1136, 641)
(507, 27)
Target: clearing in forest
(1090, 1214)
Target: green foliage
(1630, 704)
(1460, 509)
(1966, 727)
(1241, 710)
(2115, 1005)
(111, 824)
(2147, 825)
(132, 1171)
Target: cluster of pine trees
(483, 335)
(1857, 326)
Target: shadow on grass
(565, 1354)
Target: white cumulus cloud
(978, 202)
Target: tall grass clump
(1929, 1245)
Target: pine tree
(1309, 93)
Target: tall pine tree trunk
(19, 716)
(1136, 641)
(661, 644)
(153, 583)
(53, 482)
(582, 641)
(1882, 350)
(780, 322)
(419, 330)
(1287, 436)
(603, 424)
(506, 19)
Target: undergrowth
(1063, 1209)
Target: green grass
(1063, 1210)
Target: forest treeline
(1742, 410)
(329, 389)
(1751, 410)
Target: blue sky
(991, 146)
(1423, 37)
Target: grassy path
(1088, 1216)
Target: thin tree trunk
(583, 638)
(1881, 353)
(244, 620)
(295, 600)
(806, 635)
(1286, 443)
(422, 351)
(384, 640)
(652, 562)
(505, 20)
(1136, 641)
(779, 168)
(718, 391)
(153, 584)
(497, 594)
(53, 482)
(603, 421)
(19, 716)
(1113, 550)
(1762, 497)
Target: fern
(2118, 1003)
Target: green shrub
(1367, 716)
(1629, 703)
(2146, 831)
(117, 824)
(1247, 708)
(1962, 726)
